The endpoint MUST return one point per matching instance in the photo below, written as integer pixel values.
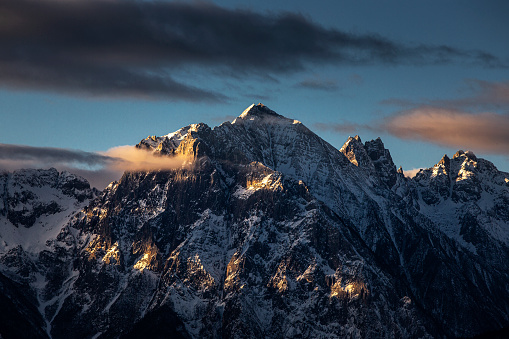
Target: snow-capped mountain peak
(272, 232)
(261, 114)
(258, 110)
(468, 154)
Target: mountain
(266, 231)
(34, 206)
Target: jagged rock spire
(354, 150)
(382, 160)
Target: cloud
(399, 102)
(481, 94)
(356, 79)
(318, 84)
(344, 127)
(486, 94)
(130, 158)
(487, 132)
(223, 118)
(99, 168)
(51, 155)
(412, 172)
(137, 48)
(467, 122)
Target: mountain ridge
(273, 232)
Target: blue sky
(428, 77)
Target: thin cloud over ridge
(99, 168)
(134, 48)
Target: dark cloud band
(98, 168)
(51, 155)
(133, 48)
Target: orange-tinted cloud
(412, 172)
(129, 158)
(487, 132)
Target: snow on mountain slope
(468, 199)
(359, 191)
(230, 265)
(272, 232)
(284, 145)
(399, 234)
(35, 205)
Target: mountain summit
(270, 232)
(259, 110)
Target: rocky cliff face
(269, 231)
(34, 207)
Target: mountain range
(266, 231)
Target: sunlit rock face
(268, 231)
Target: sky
(81, 79)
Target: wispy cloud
(485, 94)
(344, 127)
(467, 122)
(223, 118)
(99, 168)
(478, 120)
(135, 48)
(51, 155)
(318, 84)
(355, 79)
(487, 132)
(130, 158)
(479, 94)
(412, 172)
